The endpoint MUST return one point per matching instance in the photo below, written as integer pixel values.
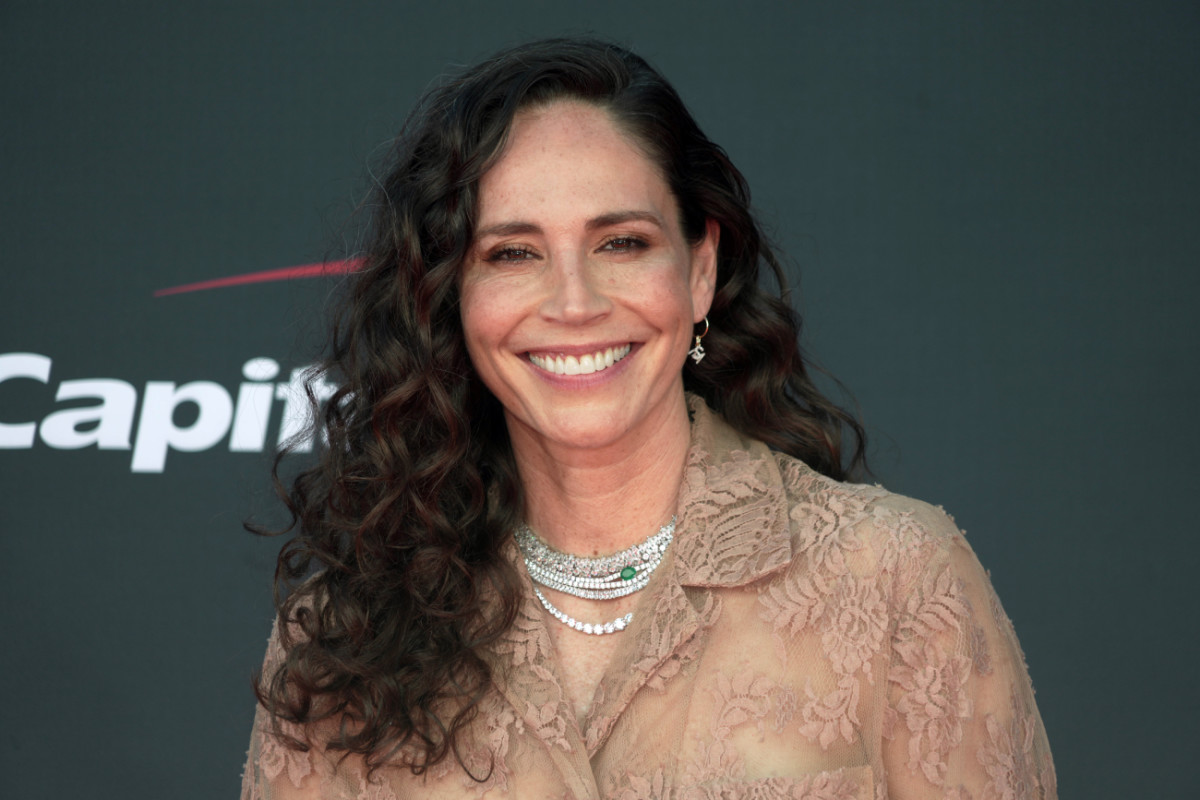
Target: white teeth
(583, 365)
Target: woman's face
(580, 294)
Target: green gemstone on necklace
(628, 573)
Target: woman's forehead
(566, 157)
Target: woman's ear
(704, 269)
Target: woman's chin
(583, 434)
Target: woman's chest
(583, 661)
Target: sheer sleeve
(275, 771)
(961, 720)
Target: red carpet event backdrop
(990, 217)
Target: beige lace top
(804, 639)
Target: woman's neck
(594, 501)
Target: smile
(583, 365)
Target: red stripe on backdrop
(266, 276)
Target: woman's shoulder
(865, 526)
(783, 510)
(809, 492)
(288, 630)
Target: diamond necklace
(597, 628)
(602, 578)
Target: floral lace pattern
(803, 639)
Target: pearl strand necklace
(603, 578)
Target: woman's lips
(579, 365)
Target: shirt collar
(733, 522)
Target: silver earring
(697, 351)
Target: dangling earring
(697, 351)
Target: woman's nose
(575, 293)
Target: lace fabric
(803, 639)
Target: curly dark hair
(396, 575)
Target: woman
(580, 529)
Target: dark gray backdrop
(993, 210)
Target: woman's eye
(620, 243)
(510, 254)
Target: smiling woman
(546, 554)
(580, 253)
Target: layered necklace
(602, 578)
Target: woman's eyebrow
(619, 217)
(507, 229)
(518, 227)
